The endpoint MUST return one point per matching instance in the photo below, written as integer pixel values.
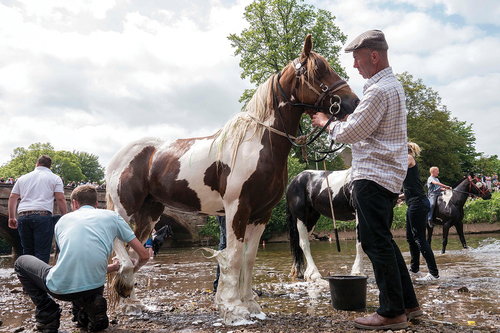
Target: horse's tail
(297, 253)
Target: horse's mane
(257, 111)
(459, 182)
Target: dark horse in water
(449, 210)
(159, 237)
(239, 172)
(306, 200)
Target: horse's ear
(308, 45)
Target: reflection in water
(177, 274)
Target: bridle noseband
(482, 191)
(326, 91)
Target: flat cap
(371, 39)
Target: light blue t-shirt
(85, 238)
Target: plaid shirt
(377, 132)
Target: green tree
(65, 164)
(23, 160)
(89, 164)
(71, 166)
(446, 142)
(276, 36)
(487, 164)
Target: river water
(467, 293)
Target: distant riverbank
(475, 228)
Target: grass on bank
(476, 211)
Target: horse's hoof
(311, 274)
(253, 307)
(132, 307)
(313, 277)
(233, 314)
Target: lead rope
(331, 207)
(301, 140)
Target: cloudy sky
(93, 75)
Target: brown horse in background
(239, 172)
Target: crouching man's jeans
(32, 272)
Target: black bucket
(348, 292)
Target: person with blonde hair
(434, 188)
(416, 216)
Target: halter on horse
(240, 172)
(450, 208)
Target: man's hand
(319, 119)
(12, 223)
(115, 266)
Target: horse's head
(314, 85)
(478, 188)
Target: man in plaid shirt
(377, 132)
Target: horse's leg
(429, 233)
(358, 267)
(123, 283)
(144, 219)
(311, 273)
(252, 238)
(460, 231)
(297, 270)
(227, 298)
(446, 229)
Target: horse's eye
(320, 67)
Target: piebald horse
(306, 200)
(239, 172)
(449, 209)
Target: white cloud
(93, 75)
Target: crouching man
(85, 238)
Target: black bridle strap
(295, 105)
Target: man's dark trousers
(36, 232)
(32, 272)
(374, 207)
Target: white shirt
(377, 131)
(37, 189)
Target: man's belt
(35, 212)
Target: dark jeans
(374, 206)
(415, 236)
(32, 272)
(222, 245)
(36, 232)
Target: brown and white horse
(239, 172)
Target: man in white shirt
(377, 132)
(85, 238)
(35, 223)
